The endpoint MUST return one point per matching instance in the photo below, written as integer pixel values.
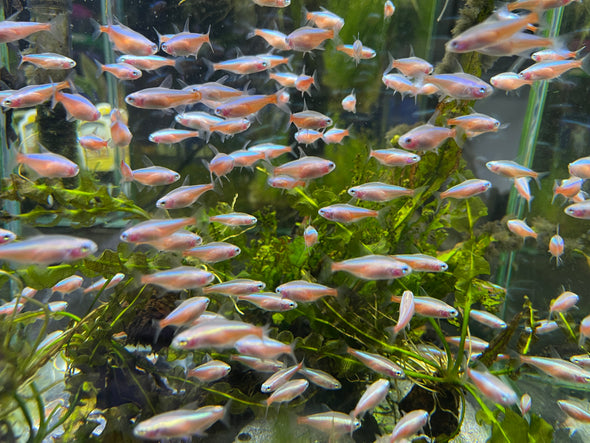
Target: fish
(305, 291)
(413, 67)
(269, 301)
(120, 133)
(519, 43)
(234, 219)
(231, 126)
(180, 423)
(378, 363)
(332, 423)
(162, 98)
(520, 228)
(509, 81)
(492, 387)
(146, 62)
(179, 278)
(183, 196)
(150, 176)
(558, 368)
(371, 398)
(584, 330)
(285, 79)
(273, 3)
(349, 102)
(579, 210)
(543, 327)
(394, 157)
(557, 247)
(220, 165)
(187, 311)
(426, 137)
(177, 241)
(122, 71)
(288, 391)
(475, 122)
(522, 187)
(306, 38)
(271, 150)
(11, 31)
(525, 403)
(400, 84)
(538, 4)
(263, 347)
(246, 159)
(321, 379)
(308, 136)
(213, 252)
(306, 168)
(279, 378)
(170, 136)
(242, 65)
(310, 120)
(6, 236)
(388, 9)
(345, 213)
(325, 19)
(258, 364)
(249, 105)
(101, 283)
(198, 120)
(552, 69)
(422, 262)
(568, 187)
(460, 86)
(47, 60)
(511, 169)
(373, 267)
(210, 371)
(235, 287)
(304, 82)
(47, 249)
(125, 39)
(274, 38)
(216, 334)
(77, 106)
(409, 425)
(553, 54)
(357, 51)
(474, 344)
(92, 142)
(285, 182)
(487, 318)
(580, 168)
(10, 307)
(33, 95)
(335, 135)
(430, 307)
(489, 33)
(406, 311)
(186, 44)
(574, 410)
(310, 236)
(564, 302)
(155, 229)
(466, 189)
(68, 284)
(582, 360)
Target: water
(111, 368)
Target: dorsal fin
(305, 108)
(186, 181)
(186, 28)
(146, 161)
(239, 53)
(301, 152)
(214, 149)
(412, 50)
(167, 82)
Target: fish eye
(444, 267)
(130, 98)
(482, 90)
(7, 102)
(237, 250)
(164, 46)
(408, 140)
(6, 237)
(264, 64)
(496, 124)
(124, 236)
(352, 191)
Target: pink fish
(180, 278)
(579, 210)
(285, 182)
(466, 189)
(120, 133)
(6, 236)
(400, 84)
(210, 371)
(553, 69)
(422, 262)
(430, 307)
(33, 95)
(388, 9)
(509, 81)
(556, 247)
(186, 312)
(475, 122)
(92, 142)
(378, 363)
(11, 31)
(564, 302)
(335, 135)
(259, 364)
(413, 67)
(216, 334)
(394, 157)
(68, 284)
(460, 86)
(48, 164)
(126, 40)
(178, 424)
(122, 71)
(185, 44)
(310, 236)
(325, 19)
(575, 410)
(492, 387)
(409, 425)
(332, 423)
(306, 38)
(146, 62)
(373, 267)
(163, 98)
(426, 137)
(170, 136)
(349, 102)
(242, 65)
(279, 378)
(520, 228)
(150, 176)
(470, 344)
(558, 368)
(406, 311)
(306, 168)
(183, 197)
(155, 229)
(345, 213)
(77, 106)
(321, 378)
(235, 287)
(177, 241)
(48, 60)
(371, 398)
(274, 38)
(379, 192)
(487, 318)
(47, 249)
(305, 291)
(263, 347)
(104, 284)
(213, 252)
(584, 330)
(269, 301)
(525, 403)
(288, 391)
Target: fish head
(330, 166)
(355, 192)
(481, 91)
(493, 166)
(457, 45)
(288, 305)
(7, 237)
(69, 64)
(485, 186)
(326, 213)
(222, 112)
(408, 142)
(133, 100)
(452, 313)
(574, 211)
(11, 102)
(135, 73)
(84, 249)
(402, 270)
(443, 267)
(174, 177)
(235, 251)
(284, 97)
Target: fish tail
(301, 420)
(57, 24)
(585, 63)
(126, 172)
(158, 326)
(21, 59)
(97, 28)
(277, 101)
(100, 68)
(208, 40)
(335, 266)
(211, 68)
